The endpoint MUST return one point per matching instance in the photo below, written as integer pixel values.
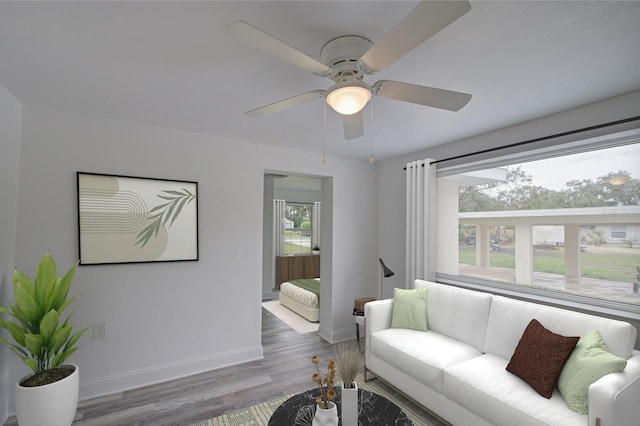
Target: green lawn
(613, 267)
(296, 249)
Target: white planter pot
(349, 405)
(326, 416)
(54, 404)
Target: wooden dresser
(296, 267)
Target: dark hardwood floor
(285, 369)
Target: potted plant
(49, 395)
(315, 249)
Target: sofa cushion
(503, 335)
(409, 309)
(421, 354)
(458, 313)
(587, 363)
(540, 356)
(484, 387)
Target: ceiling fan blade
(422, 22)
(271, 45)
(422, 95)
(285, 104)
(353, 125)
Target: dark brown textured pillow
(540, 356)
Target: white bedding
(301, 301)
(300, 295)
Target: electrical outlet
(99, 330)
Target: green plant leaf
(60, 358)
(172, 192)
(46, 275)
(48, 325)
(169, 210)
(74, 339)
(158, 207)
(67, 303)
(61, 290)
(16, 331)
(26, 307)
(15, 348)
(31, 363)
(178, 210)
(60, 337)
(145, 235)
(22, 280)
(34, 343)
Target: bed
(300, 296)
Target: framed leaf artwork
(125, 219)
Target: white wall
(165, 320)
(10, 125)
(391, 176)
(294, 195)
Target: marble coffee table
(374, 410)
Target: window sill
(583, 304)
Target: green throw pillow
(588, 362)
(409, 309)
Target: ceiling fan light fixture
(348, 97)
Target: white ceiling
(171, 64)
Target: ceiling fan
(347, 60)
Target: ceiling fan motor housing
(342, 56)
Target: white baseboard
(4, 410)
(339, 335)
(162, 373)
(121, 382)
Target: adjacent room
(208, 164)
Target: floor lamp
(386, 273)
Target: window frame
(618, 229)
(310, 205)
(549, 297)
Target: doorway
(300, 192)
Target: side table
(360, 320)
(358, 312)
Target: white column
(482, 245)
(572, 251)
(524, 253)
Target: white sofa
(456, 369)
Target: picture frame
(127, 219)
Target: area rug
(259, 414)
(293, 320)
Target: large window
(566, 225)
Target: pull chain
(324, 134)
(371, 160)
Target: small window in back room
(298, 228)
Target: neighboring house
(623, 233)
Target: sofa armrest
(613, 400)
(378, 315)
